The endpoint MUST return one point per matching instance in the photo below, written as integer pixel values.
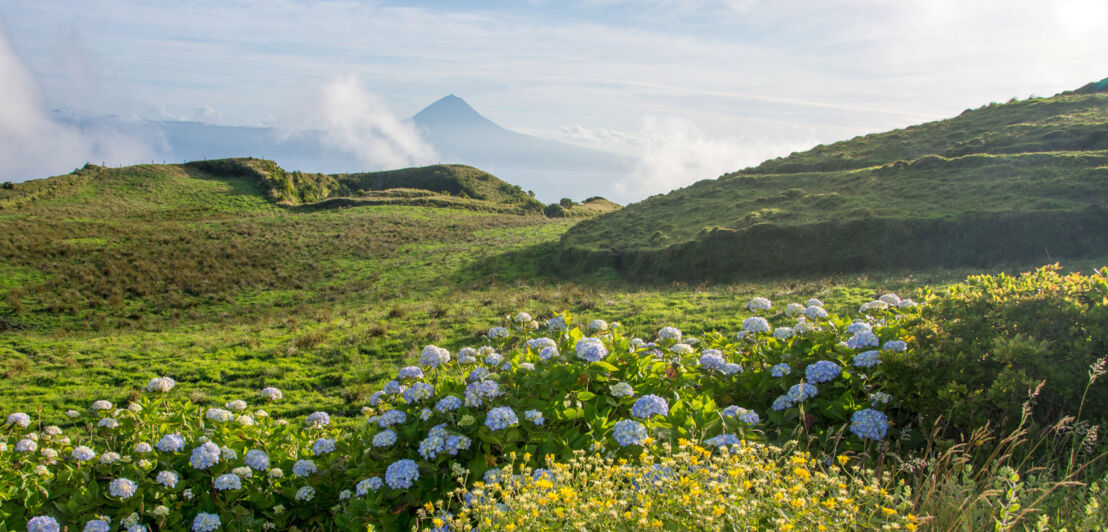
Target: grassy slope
(111, 277)
(1000, 166)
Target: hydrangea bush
(543, 393)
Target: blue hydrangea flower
(538, 344)
(590, 349)
(393, 387)
(477, 374)
(492, 475)
(622, 389)
(749, 417)
(432, 445)
(650, 405)
(418, 392)
(205, 456)
(227, 481)
(759, 303)
(97, 525)
(879, 398)
(876, 304)
(814, 312)
(723, 440)
(401, 474)
(304, 468)
(392, 417)
(205, 522)
(494, 359)
(862, 340)
(556, 324)
(794, 309)
(822, 371)
(257, 459)
(433, 356)
(800, 392)
(598, 325)
(385, 438)
(857, 327)
(629, 432)
(670, 333)
(534, 416)
(323, 446)
(712, 359)
(366, 485)
(783, 333)
(410, 372)
(498, 332)
(867, 359)
(501, 417)
(890, 299)
(548, 353)
(171, 443)
(781, 403)
(756, 324)
(731, 368)
(540, 473)
(895, 345)
(455, 443)
(780, 370)
(869, 424)
(448, 404)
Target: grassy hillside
(450, 184)
(1022, 181)
(108, 276)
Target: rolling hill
(1025, 181)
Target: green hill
(1024, 181)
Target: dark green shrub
(978, 351)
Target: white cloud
(672, 152)
(33, 143)
(359, 123)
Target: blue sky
(726, 82)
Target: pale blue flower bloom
(712, 359)
(227, 482)
(257, 459)
(448, 404)
(323, 446)
(410, 372)
(418, 392)
(366, 485)
(205, 456)
(756, 324)
(501, 417)
(205, 522)
(629, 432)
(304, 468)
(822, 371)
(534, 416)
(869, 424)
(650, 405)
(385, 438)
(862, 340)
(590, 349)
(401, 474)
(800, 392)
(392, 417)
(895, 345)
(867, 359)
(780, 370)
(759, 303)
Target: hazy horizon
(687, 89)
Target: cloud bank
(34, 143)
(357, 122)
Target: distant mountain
(459, 134)
(1021, 182)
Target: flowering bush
(745, 486)
(174, 465)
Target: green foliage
(1016, 183)
(979, 350)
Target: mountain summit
(551, 169)
(451, 112)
